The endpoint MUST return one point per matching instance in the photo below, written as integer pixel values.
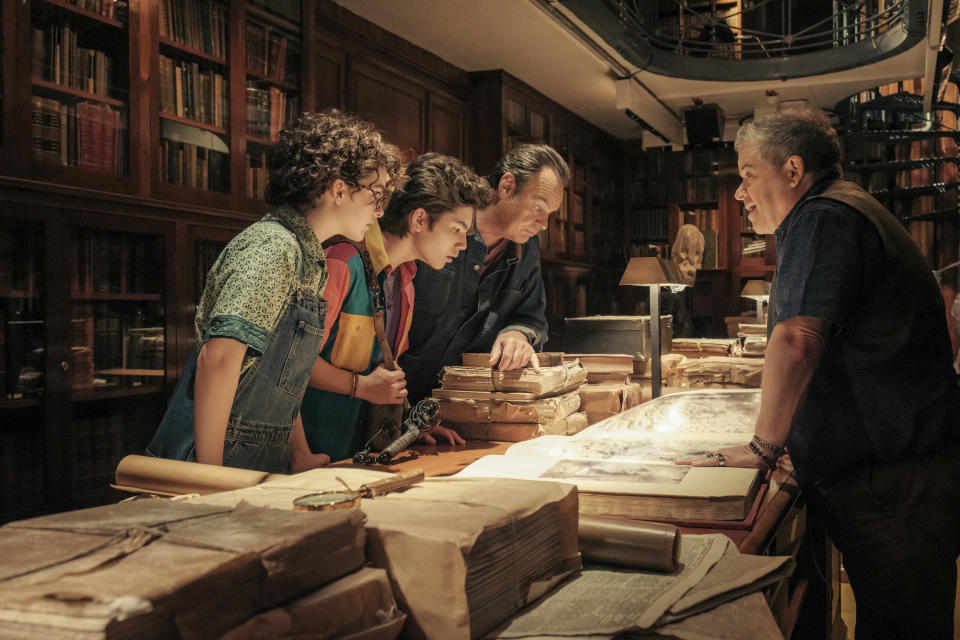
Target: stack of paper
(755, 345)
(716, 370)
(604, 367)
(600, 401)
(463, 555)
(604, 602)
(158, 568)
(360, 606)
(701, 347)
(487, 404)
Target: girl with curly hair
(259, 325)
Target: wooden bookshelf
(45, 85)
(193, 123)
(166, 43)
(92, 15)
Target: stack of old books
(624, 466)
(157, 568)
(609, 389)
(722, 372)
(463, 555)
(488, 404)
(705, 347)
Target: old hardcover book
(700, 347)
(743, 372)
(463, 555)
(460, 410)
(519, 431)
(548, 381)
(649, 447)
(604, 367)
(631, 489)
(697, 411)
(609, 398)
(158, 568)
(359, 605)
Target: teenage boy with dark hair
(491, 297)
(428, 220)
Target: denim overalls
(268, 395)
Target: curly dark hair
(317, 148)
(438, 184)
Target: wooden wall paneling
(328, 75)
(237, 77)
(486, 132)
(56, 399)
(9, 44)
(445, 117)
(144, 95)
(394, 104)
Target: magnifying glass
(331, 500)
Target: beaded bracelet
(771, 463)
(356, 382)
(776, 448)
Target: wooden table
(778, 526)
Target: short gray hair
(803, 131)
(527, 160)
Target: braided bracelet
(776, 448)
(771, 463)
(356, 383)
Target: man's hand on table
(513, 351)
(726, 457)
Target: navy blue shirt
(827, 252)
(463, 307)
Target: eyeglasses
(380, 198)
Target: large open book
(633, 489)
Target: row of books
(197, 24)
(649, 224)
(104, 262)
(58, 58)
(88, 135)
(257, 175)
(270, 54)
(111, 340)
(189, 90)
(699, 188)
(645, 190)
(115, 9)
(702, 162)
(191, 165)
(268, 110)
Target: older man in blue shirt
(858, 384)
(490, 297)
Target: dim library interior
(133, 147)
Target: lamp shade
(757, 289)
(652, 270)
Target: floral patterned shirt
(250, 284)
